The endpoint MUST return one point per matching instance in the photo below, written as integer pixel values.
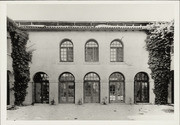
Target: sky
(91, 12)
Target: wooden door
(38, 95)
(141, 92)
(116, 92)
(45, 92)
(67, 92)
(92, 92)
(42, 92)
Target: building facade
(88, 62)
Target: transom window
(91, 51)
(116, 77)
(141, 76)
(116, 53)
(91, 77)
(66, 77)
(66, 51)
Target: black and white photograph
(90, 61)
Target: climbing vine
(158, 43)
(21, 59)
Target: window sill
(92, 63)
(119, 63)
(66, 63)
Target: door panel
(116, 91)
(67, 92)
(42, 92)
(95, 92)
(112, 92)
(38, 92)
(87, 92)
(45, 92)
(70, 91)
(141, 92)
(91, 92)
(63, 93)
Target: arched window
(116, 51)
(91, 88)
(91, 51)
(66, 51)
(66, 88)
(41, 87)
(141, 88)
(116, 87)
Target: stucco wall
(46, 59)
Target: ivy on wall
(158, 43)
(21, 59)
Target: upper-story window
(116, 54)
(66, 51)
(91, 51)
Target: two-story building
(87, 62)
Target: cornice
(83, 25)
(83, 28)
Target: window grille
(66, 77)
(91, 77)
(116, 51)
(91, 52)
(116, 77)
(66, 51)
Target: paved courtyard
(92, 112)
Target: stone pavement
(91, 112)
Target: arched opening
(91, 88)
(41, 87)
(116, 88)
(66, 88)
(141, 88)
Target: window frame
(67, 51)
(95, 56)
(116, 51)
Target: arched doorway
(66, 88)
(41, 87)
(116, 88)
(91, 88)
(141, 88)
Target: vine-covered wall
(158, 44)
(21, 59)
